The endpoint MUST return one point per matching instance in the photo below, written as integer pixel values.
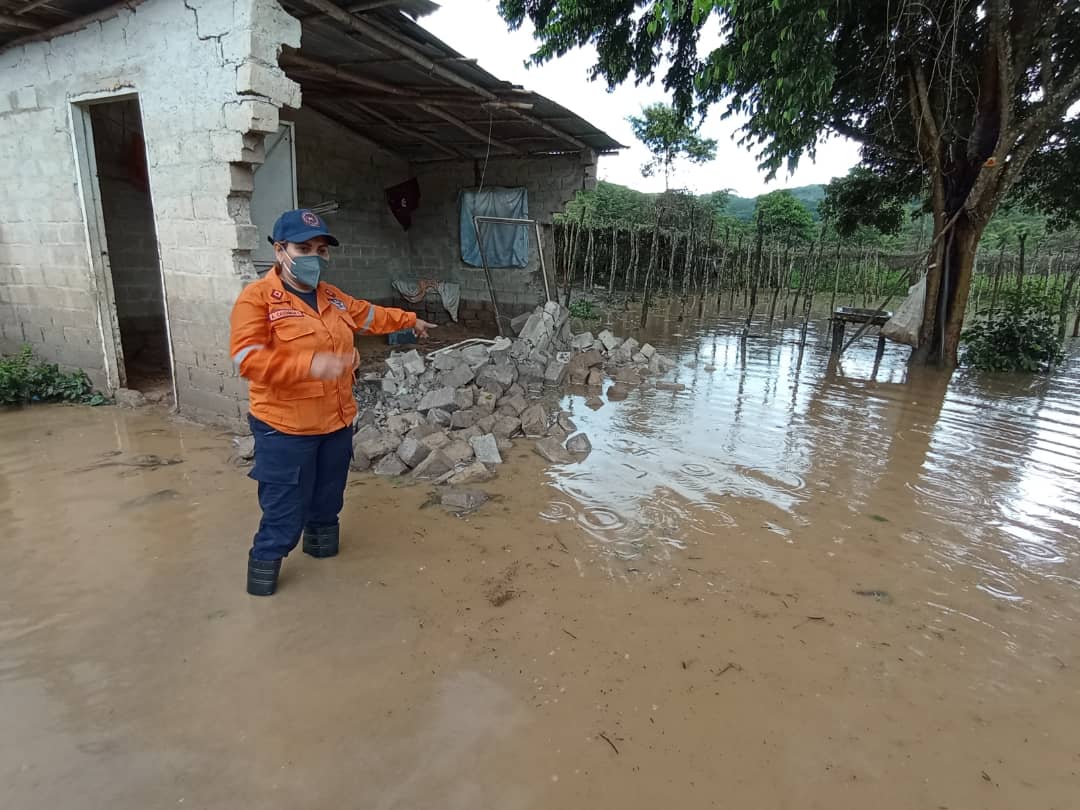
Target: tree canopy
(951, 99)
(668, 137)
(785, 218)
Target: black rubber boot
(262, 576)
(321, 541)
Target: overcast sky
(475, 28)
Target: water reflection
(989, 465)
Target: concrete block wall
(209, 88)
(333, 163)
(435, 243)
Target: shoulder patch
(337, 302)
(277, 295)
(278, 314)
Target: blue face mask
(308, 269)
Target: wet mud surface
(788, 585)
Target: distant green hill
(742, 208)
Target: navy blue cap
(300, 226)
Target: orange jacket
(274, 337)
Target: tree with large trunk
(948, 98)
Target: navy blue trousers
(301, 483)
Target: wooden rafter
(321, 68)
(331, 115)
(390, 42)
(29, 6)
(23, 24)
(404, 130)
(76, 24)
(440, 101)
(392, 92)
(483, 137)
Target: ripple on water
(943, 490)
(1000, 589)
(557, 511)
(715, 516)
(601, 519)
(1039, 552)
(697, 470)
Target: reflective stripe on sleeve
(368, 320)
(238, 358)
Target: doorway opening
(121, 215)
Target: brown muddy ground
(785, 587)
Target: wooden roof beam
(11, 21)
(389, 41)
(73, 25)
(440, 101)
(294, 59)
(411, 133)
(483, 137)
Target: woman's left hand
(421, 328)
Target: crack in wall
(208, 38)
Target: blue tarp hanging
(504, 245)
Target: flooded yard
(792, 584)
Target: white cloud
(475, 28)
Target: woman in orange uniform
(292, 339)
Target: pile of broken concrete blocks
(450, 417)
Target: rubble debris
(441, 399)
(457, 451)
(475, 473)
(359, 462)
(439, 418)
(452, 417)
(534, 421)
(435, 441)
(555, 372)
(457, 377)
(402, 423)
(413, 363)
(583, 364)
(462, 419)
(412, 452)
(670, 386)
(390, 466)
(373, 443)
(486, 449)
(608, 340)
(551, 449)
(516, 404)
(507, 427)
(433, 466)
(579, 445)
(463, 398)
(463, 499)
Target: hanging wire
(487, 156)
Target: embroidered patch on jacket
(337, 303)
(277, 295)
(278, 314)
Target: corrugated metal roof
(459, 106)
(374, 69)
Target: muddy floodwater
(792, 584)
